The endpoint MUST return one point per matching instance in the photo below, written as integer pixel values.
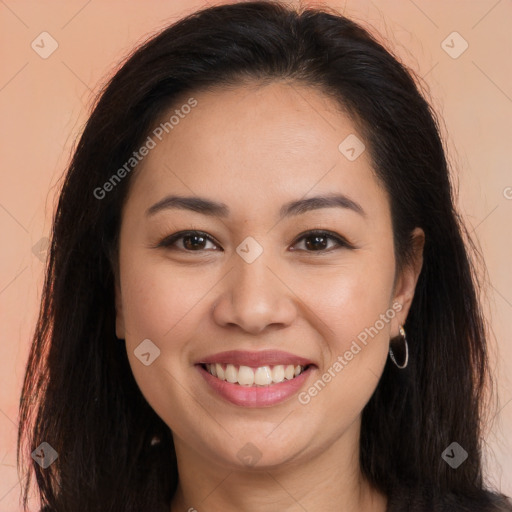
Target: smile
(261, 378)
(250, 376)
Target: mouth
(255, 379)
(254, 376)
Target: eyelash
(170, 240)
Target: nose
(254, 297)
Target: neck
(330, 481)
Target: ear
(120, 332)
(406, 281)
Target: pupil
(188, 237)
(316, 238)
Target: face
(257, 279)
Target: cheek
(161, 301)
(161, 304)
(356, 314)
(352, 301)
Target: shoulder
(484, 501)
(424, 500)
(487, 502)
(501, 502)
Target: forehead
(252, 145)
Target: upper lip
(259, 358)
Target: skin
(254, 148)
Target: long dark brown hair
(79, 395)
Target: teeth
(263, 376)
(247, 376)
(218, 372)
(231, 373)
(278, 373)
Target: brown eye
(196, 241)
(317, 241)
(192, 241)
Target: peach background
(44, 103)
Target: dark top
(421, 502)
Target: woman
(258, 295)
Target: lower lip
(255, 396)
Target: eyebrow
(216, 209)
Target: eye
(317, 241)
(195, 241)
(192, 241)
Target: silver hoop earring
(406, 349)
